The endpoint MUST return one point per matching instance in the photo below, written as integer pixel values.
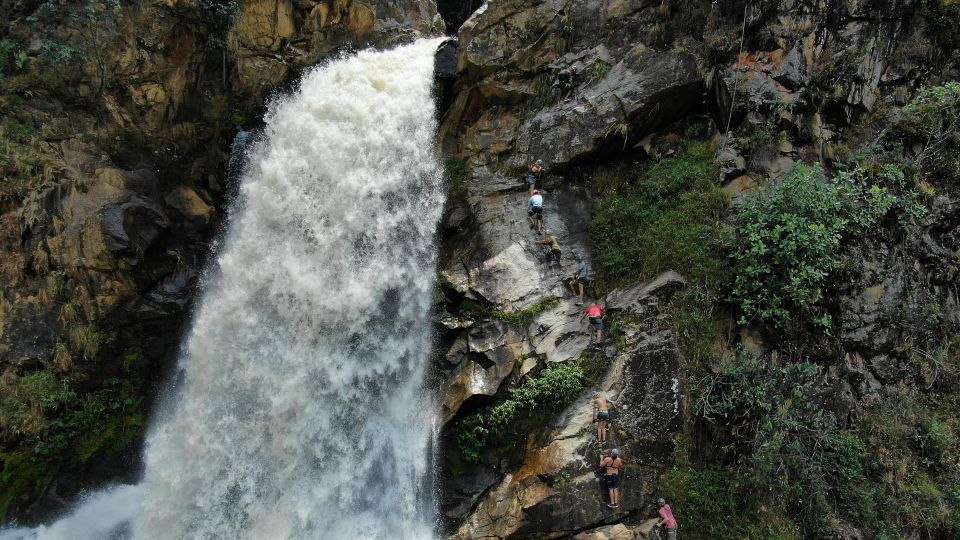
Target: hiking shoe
(578, 303)
(611, 505)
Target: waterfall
(298, 411)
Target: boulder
(131, 226)
(263, 24)
(641, 93)
(559, 334)
(503, 264)
(619, 531)
(190, 205)
(490, 350)
(634, 298)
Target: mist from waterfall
(298, 411)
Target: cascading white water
(300, 412)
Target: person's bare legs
(570, 285)
(603, 431)
(599, 337)
(616, 496)
(600, 430)
(581, 291)
(612, 496)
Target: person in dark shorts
(611, 476)
(535, 211)
(554, 252)
(603, 415)
(580, 278)
(596, 315)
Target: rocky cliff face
(593, 87)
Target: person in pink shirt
(596, 315)
(667, 521)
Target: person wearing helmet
(611, 476)
(535, 211)
(537, 168)
(550, 240)
(580, 278)
(667, 521)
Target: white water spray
(300, 412)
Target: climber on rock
(554, 252)
(667, 521)
(535, 211)
(531, 184)
(603, 414)
(580, 278)
(611, 476)
(537, 168)
(596, 315)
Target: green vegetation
(786, 448)
(456, 172)
(912, 451)
(670, 218)
(667, 220)
(932, 121)
(57, 427)
(86, 340)
(545, 94)
(219, 16)
(12, 57)
(789, 238)
(599, 70)
(555, 388)
(521, 317)
(706, 502)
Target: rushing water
(299, 411)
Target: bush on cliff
(667, 220)
(556, 387)
(671, 218)
(57, 427)
(784, 446)
(789, 238)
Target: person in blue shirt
(580, 278)
(535, 211)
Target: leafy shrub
(789, 238)
(932, 120)
(706, 503)
(556, 387)
(785, 444)
(58, 427)
(12, 58)
(219, 16)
